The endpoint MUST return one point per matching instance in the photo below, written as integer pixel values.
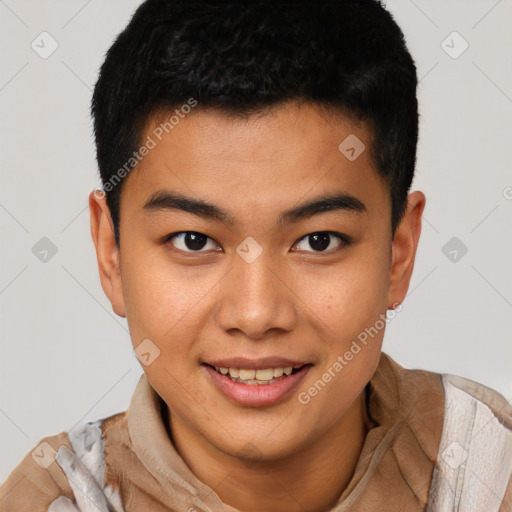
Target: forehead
(268, 160)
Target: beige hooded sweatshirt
(441, 443)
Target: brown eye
(191, 241)
(322, 241)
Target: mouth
(260, 377)
(256, 387)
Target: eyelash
(344, 239)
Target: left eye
(322, 240)
(191, 241)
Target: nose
(257, 300)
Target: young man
(257, 231)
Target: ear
(405, 243)
(107, 253)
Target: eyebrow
(163, 200)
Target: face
(256, 245)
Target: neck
(311, 479)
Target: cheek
(349, 304)
(154, 298)
(164, 302)
(349, 296)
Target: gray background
(64, 355)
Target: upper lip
(256, 364)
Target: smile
(253, 377)
(260, 387)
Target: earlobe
(107, 253)
(404, 246)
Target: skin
(292, 301)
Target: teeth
(265, 374)
(246, 374)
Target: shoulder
(37, 480)
(474, 465)
(415, 383)
(473, 470)
(477, 393)
(53, 467)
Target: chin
(261, 444)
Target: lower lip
(258, 395)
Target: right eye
(190, 241)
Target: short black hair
(243, 57)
